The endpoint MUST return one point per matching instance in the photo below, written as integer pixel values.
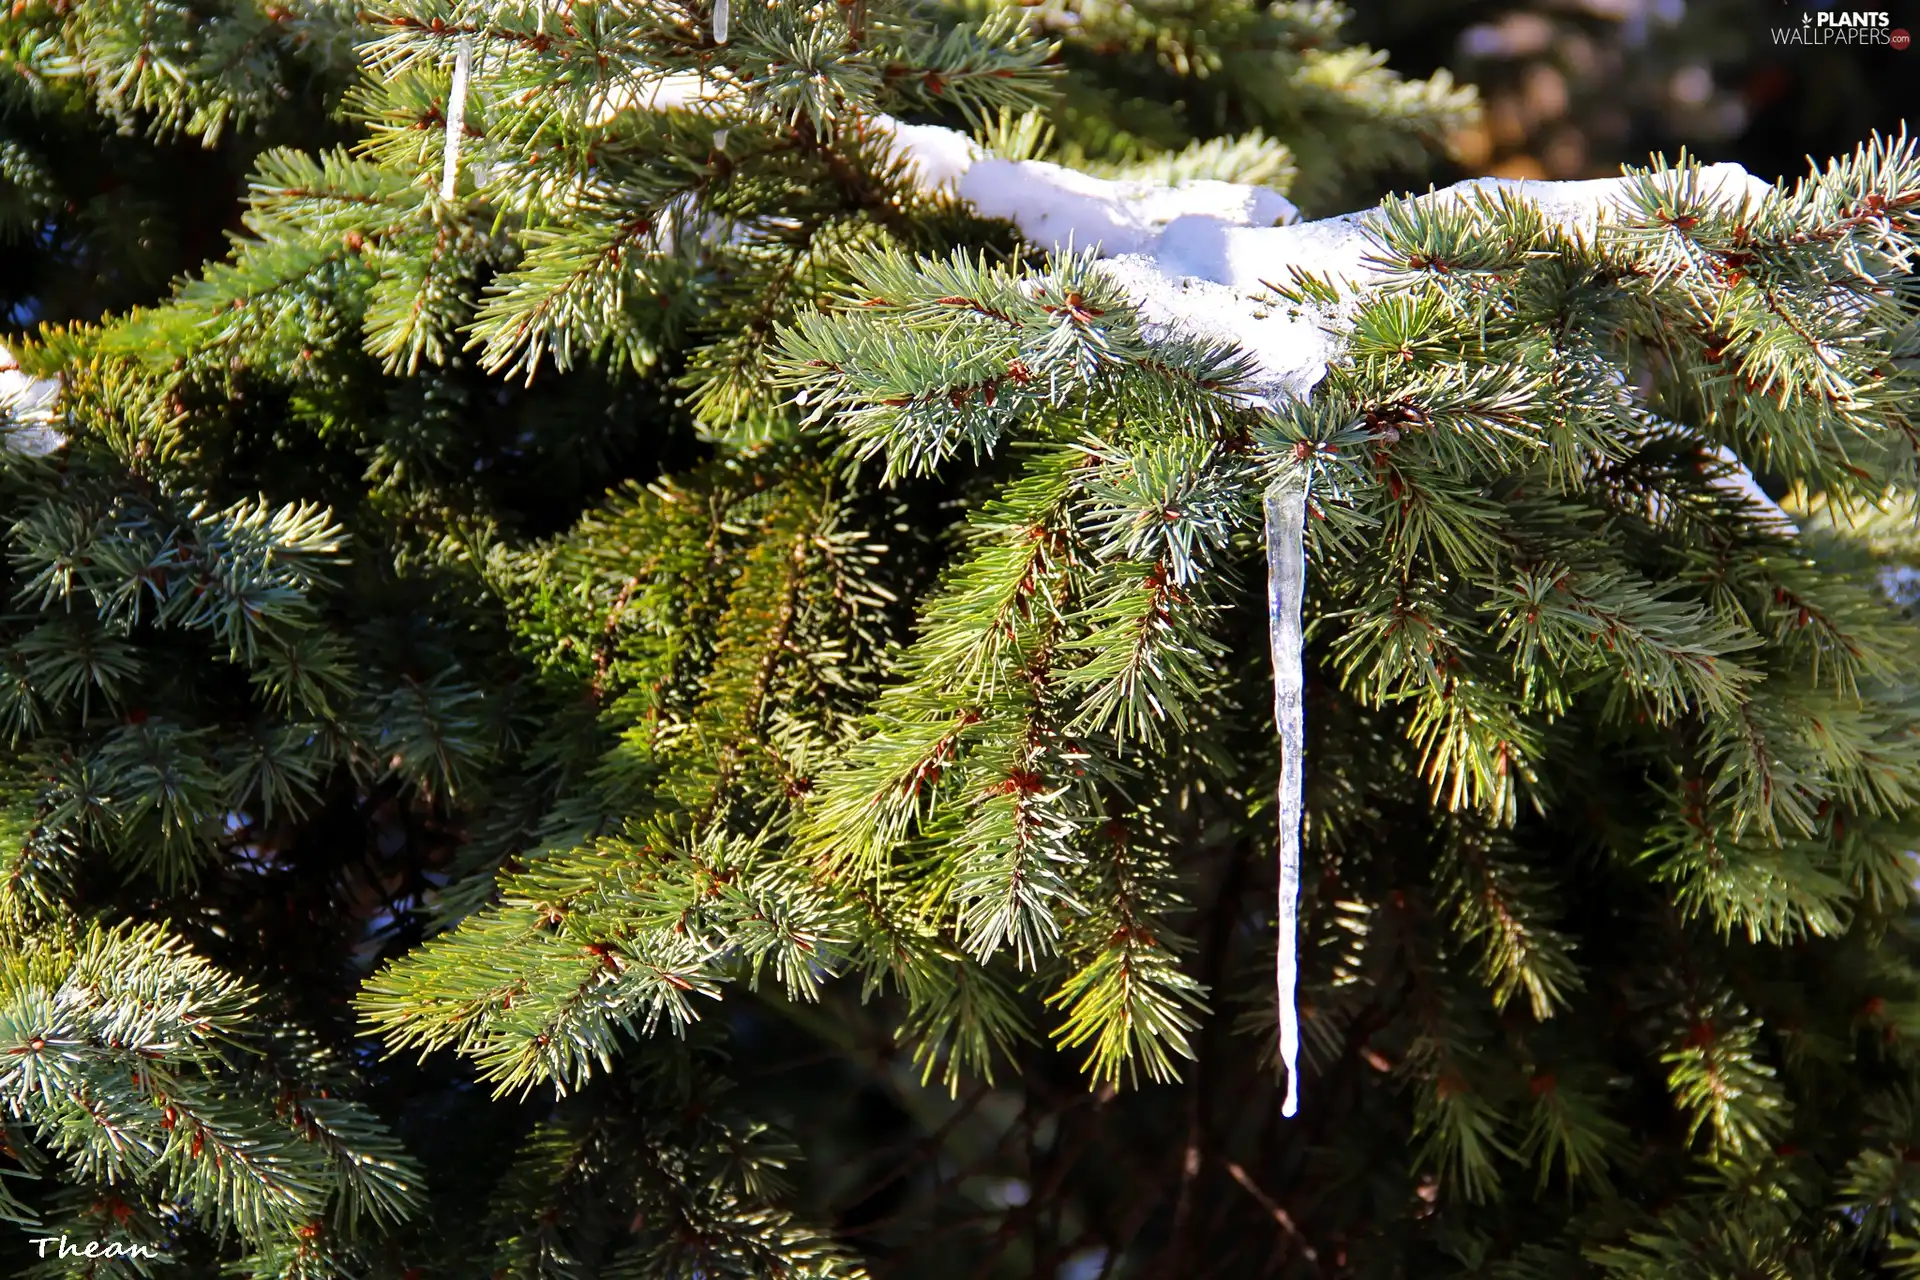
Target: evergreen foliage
(561, 697)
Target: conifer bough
(324, 632)
(1211, 276)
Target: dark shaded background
(1575, 88)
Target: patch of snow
(680, 91)
(937, 157)
(27, 407)
(1736, 479)
(1198, 256)
(1730, 476)
(1055, 206)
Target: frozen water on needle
(456, 117)
(1202, 258)
(1286, 512)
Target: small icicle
(1286, 511)
(720, 139)
(722, 15)
(456, 116)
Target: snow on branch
(1204, 259)
(1199, 257)
(26, 409)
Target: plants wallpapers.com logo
(1823, 24)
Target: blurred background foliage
(1575, 88)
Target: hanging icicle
(1286, 512)
(722, 15)
(456, 116)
